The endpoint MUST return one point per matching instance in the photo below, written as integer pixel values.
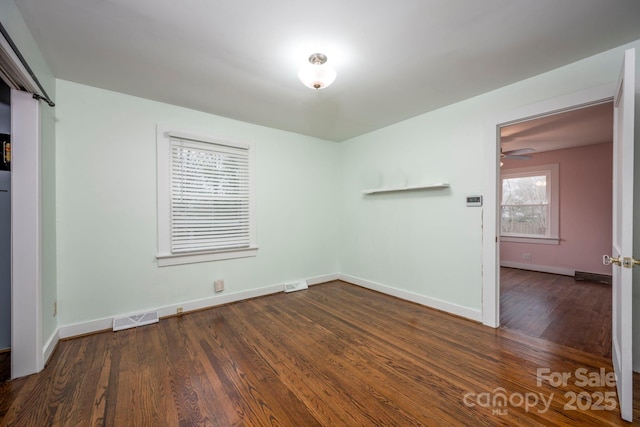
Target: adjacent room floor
(557, 308)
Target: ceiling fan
(520, 154)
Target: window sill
(173, 259)
(534, 240)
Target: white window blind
(209, 197)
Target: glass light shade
(316, 76)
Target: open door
(622, 250)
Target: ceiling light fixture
(316, 74)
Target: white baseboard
(69, 331)
(91, 326)
(540, 268)
(82, 328)
(323, 279)
(96, 325)
(169, 310)
(50, 345)
(459, 310)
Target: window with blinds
(209, 197)
(207, 188)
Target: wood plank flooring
(557, 308)
(332, 355)
(5, 366)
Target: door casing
(490, 214)
(26, 237)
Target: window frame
(552, 172)
(164, 255)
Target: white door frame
(622, 240)
(490, 216)
(26, 237)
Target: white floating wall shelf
(437, 186)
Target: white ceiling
(570, 129)
(395, 59)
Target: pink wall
(585, 211)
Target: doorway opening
(554, 216)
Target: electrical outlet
(55, 308)
(526, 257)
(179, 311)
(218, 285)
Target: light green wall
(407, 240)
(19, 33)
(309, 197)
(106, 189)
(430, 243)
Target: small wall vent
(134, 320)
(295, 286)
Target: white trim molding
(50, 346)
(552, 188)
(531, 240)
(190, 258)
(490, 218)
(26, 237)
(458, 310)
(106, 323)
(541, 268)
(317, 280)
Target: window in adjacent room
(529, 204)
(206, 200)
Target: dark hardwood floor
(557, 308)
(332, 355)
(5, 366)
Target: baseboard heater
(135, 320)
(295, 286)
